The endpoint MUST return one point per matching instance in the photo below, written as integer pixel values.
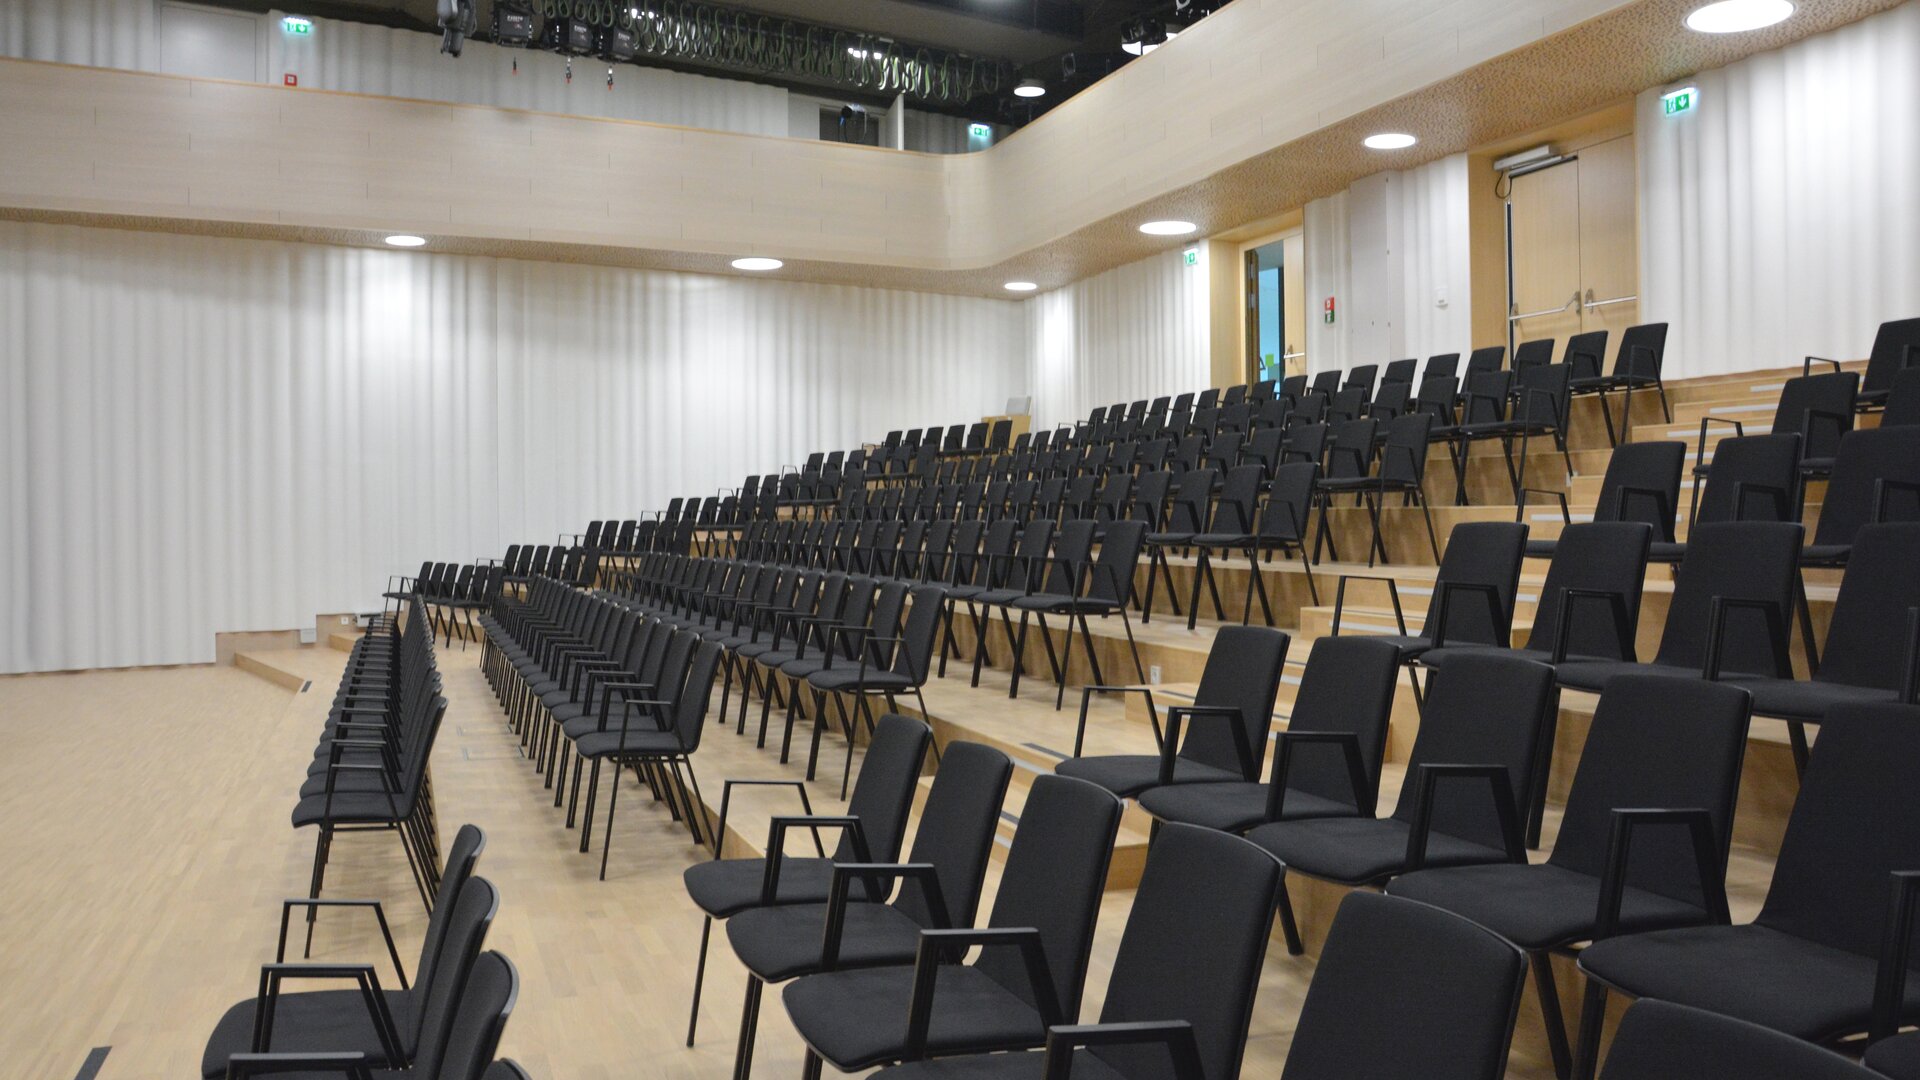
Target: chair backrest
(1642, 483)
(486, 1002)
(1406, 991)
(1234, 395)
(1744, 560)
(1350, 454)
(1293, 386)
(1479, 555)
(1876, 477)
(1482, 709)
(1209, 398)
(1347, 686)
(1326, 382)
(1660, 741)
(1606, 557)
(1867, 633)
(1399, 371)
(957, 829)
(1239, 499)
(465, 851)
(1403, 457)
(1903, 400)
(1754, 478)
(1439, 392)
(1150, 498)
(1390, 400)
(1112, 577)
(1896, 347)
(1056, 873)
(1346, 404)
(1659, 1040)
(1243, 672)
(1191, 496)
(1544, 392)
(1360, 377)
(1586, 353)
(1192, 950)
(915, 654)
(1493, 358)
(696, 693)
(1448, 364)
(1307, 443)
(1486, 397)
(1834, 875)
(1820, 408)
(1289, 501)
(883, 792)
(438, 999)
(1643, 349)
(1072, 548)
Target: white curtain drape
(204, 435)
(98, 33)
(1136, 331)
(1781, 216)
(1393, 250)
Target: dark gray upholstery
(1897, 1057)
(1806, 965)
(1754, 478)
(1642, 483)
(1479, 554)
(1658, 1040)
(486, 1001)
(1606, 557)
(1876, 477)
(1406, 992)
(1895, 346)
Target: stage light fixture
(617, 44)
(457, 21)
(515, 26)
(568, 36)
(1145, 34)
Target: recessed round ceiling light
(1168, 228)
(403, 240)
(757, 263)
(1389, 140)
(1734, 16)
(1030, 88)
(1021, 286)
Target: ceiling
(1033, 36)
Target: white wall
(205, 435)
(1136, 331)
(1393, 251)
(1781, 217)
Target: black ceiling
(1027, 38)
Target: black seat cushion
(1536, 907)
(1223, 540)
(1021, 1066)
(846, 676)
(858, 1019)
(1235, 806)
(1359, 851)
(778, 943)
(1126, 775)
(725, 887)
(1802, 699)
(1749, 972)
(1593, 674)
(349, 808)
(1898, 1057)
(636, 741)
(310, 1022)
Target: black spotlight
(617, 44)
(457, 21)
(568, 36)
(1142, 36)
(515, 26)
(856, 126)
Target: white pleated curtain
(207, 435)
(1781, 216)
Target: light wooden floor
(146, 847)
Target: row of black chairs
(444, 1025)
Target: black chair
(1402, 471)
(870, 831)
(1349, 461)
(1473, 591)
(1755, 478)
(1345, 700)
(1407, 992)
(322, 1021)
(1636, 366)
(1476, 773)
(1872, 651)
(1231, 527)
(1030, 971)
(1903, 400)
(1482, 403)
(1659, 1040)
(1642, 483)
(1228, 721)
(1062, 825)
(1876, 477)
(1282, 527)
(1818, 408)
(1181, 995)
(1673, 745)
(1187, 517)
(1448, 364)
(889, 666)
(1589, 606)
(1896, 347)
(1829, 956)
(1103, 587)
(359, 1029)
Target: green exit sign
(979, 131)
(1681, 100)
(294, 24)
(1191, 256)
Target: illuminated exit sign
(1681, 100)
(1191, 256)
(294, 24)
(979, 131)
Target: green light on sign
(294, 24)
(979, 131)
(1680, 100)
(1191, 256)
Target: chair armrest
(1170, 746)
(1781, 502)
(352, 1064)
(936, 943)
(1499, 784)
(777, 839)
(1086, 698)
(379, 914)
(1365, 794)
(1719, 607)
(1885, 487)
(1707, 856)
(726, 800)
(272, 976)
(1520, 508)
(1910, 675)
(625, 687)
(1340, 600)
(874, 874)
(1617, 605)
(1175, 1035)
(1896, 945)
(1806, 365)
(1437, 633)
